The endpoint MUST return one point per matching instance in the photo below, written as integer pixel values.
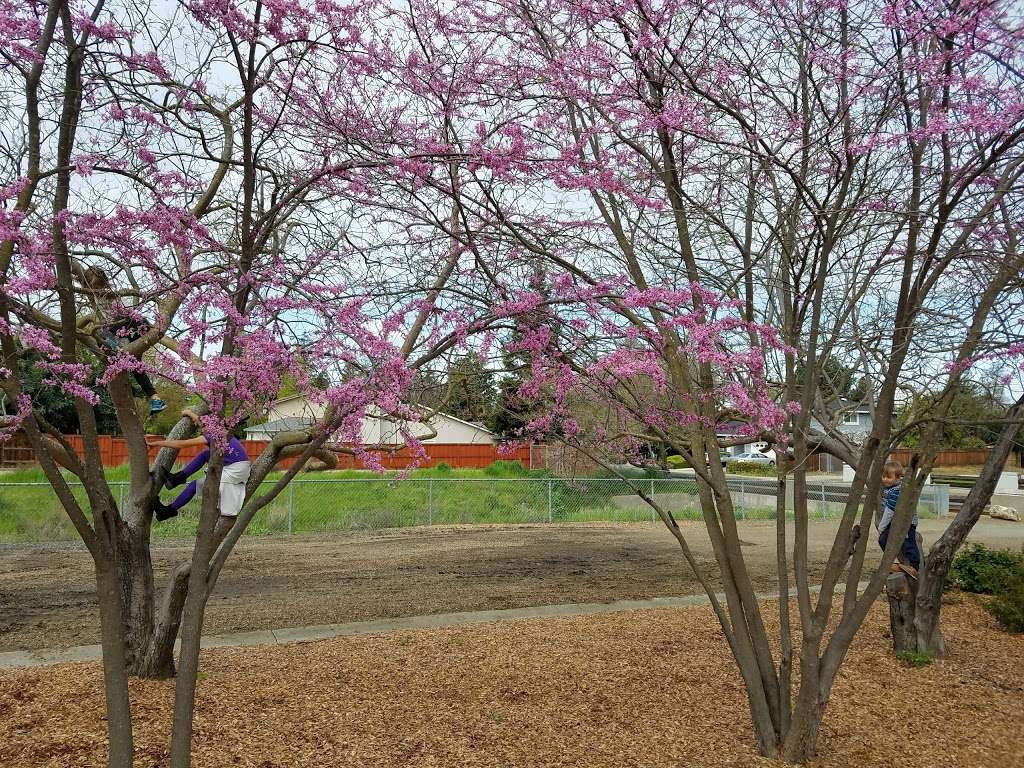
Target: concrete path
(49, 656)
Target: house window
(851, 418)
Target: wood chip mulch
(646, 688)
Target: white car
(754, 457)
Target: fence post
(824, 512)
(940, 493)
(653, 513)
(430, 501)
(120, 498)
(550, 488)
(291, 504)
(743, 500)
(652, 497)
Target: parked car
(754, 457)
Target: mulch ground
(647, 688)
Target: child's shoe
(163, 511)
(910, 570)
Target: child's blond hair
(894, 467)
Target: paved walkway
(49, 656)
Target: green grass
(36, 475)
(348, 500)
(120, 474)
(915, 659)
(355, 500)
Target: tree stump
(902, 593)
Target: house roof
(844, 404)
(288, 399)
(298, 396)
(474, 424)
(286, 424)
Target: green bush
(442, 468)
(749, 468)
(504, 468)
(985, 571)
(675, 461)
(630, 473)
(1007, 604)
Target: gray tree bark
(115, 672)
(901, 592)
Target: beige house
(297, 411)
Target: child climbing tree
(220, 186)
(666, 206)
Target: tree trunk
(799, 744)
(928, 635)
(192, 616)
(136, 571)
(159, 659)
(185, 687)
(151, 628)
(115, 673)
(902, 593)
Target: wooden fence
(114, 453)
(975, 457)
(16, 452)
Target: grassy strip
(359, 500)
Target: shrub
(985, 571)
(504, 468)
(750, 468)
(1007, 604)
(915, 659)
(442, 468)
(630, 473)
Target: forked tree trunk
(150, 627)
(928, 601)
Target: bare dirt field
(47, 591)
(640, 689)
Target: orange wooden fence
(952, 458)
(114, 452)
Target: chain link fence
(32, 512)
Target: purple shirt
(234, 454)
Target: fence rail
(31, 511)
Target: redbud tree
(726, 197)
(210, 162)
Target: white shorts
(232, 487)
